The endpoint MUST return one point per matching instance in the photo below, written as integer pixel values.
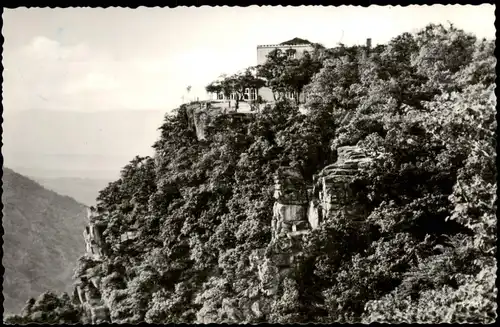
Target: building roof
(296, 40)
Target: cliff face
(87, 290)
(333, 184)
(214, 245)
(298, 209)
(90, 291)
(202, 115)
(300, 206)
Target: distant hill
(42, 239)
(84, 190)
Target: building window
(290, 53)
(253, 94)
(220, 96)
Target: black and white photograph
(249, 164)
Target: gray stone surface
(334, 182)
(201, 115)
(88, 289)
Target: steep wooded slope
(42, 239)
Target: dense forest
(422, 106)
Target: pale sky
(85, 59)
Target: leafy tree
(48, 309)
(222, 85)
(474, 301)
(285, 74)
(236, 84)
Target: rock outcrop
(201, 116)
(290, 208)
(299, 209)
(333, 185)
(87, 289)
(93, 240)
(275, 262)
(289, 224)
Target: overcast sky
(106, 59)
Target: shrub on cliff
(48, 308)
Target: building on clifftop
(294, 48)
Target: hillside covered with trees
(422, 106)
(42, 239)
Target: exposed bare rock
(297, 209)
(87, 288)
(290, 208)
(314, 213)
(230, 308)
(290, 187)
(333, 183)
(256, 309)
(201, 115)
(289, 224)
(95, 246)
